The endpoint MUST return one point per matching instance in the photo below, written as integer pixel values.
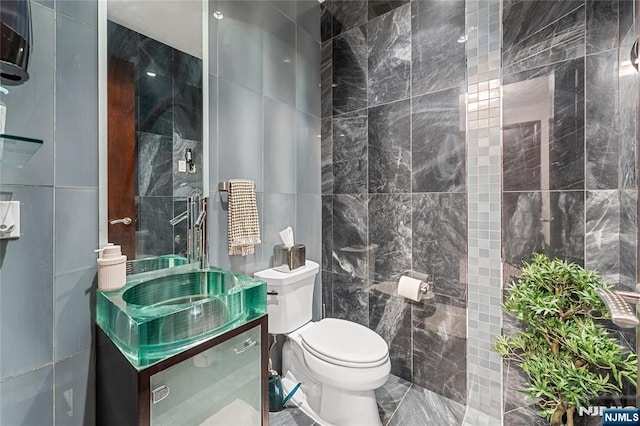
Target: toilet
(339, 363)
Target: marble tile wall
(168, 122)
(393, 180)
(574, 196)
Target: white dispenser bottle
(112, 268)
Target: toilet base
(328, 405)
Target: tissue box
(288, 259)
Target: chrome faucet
(197, 245)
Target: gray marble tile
(327, 293)
(567, 226)
(326, 22)
(180, 231)
(390, 395)
(76, 116)
(439, 241)
(327, 232)
(628, 85)
(153, 56)
(349, 148)
(390, 232)
(289, 417)
(309, 225)
(547, 33)
(514, 380)
(524, 416)
(566, 118)
(350, 299)
(349, 65)
(308, 74)
(601, 124)
(521, 160)
(326, 160)
(279, 56)
(602, 244)
(602, 25)
(308, 154)
(423, 407)
(186, 184)
(326, 79)
(439, 349)
(346, 14)
(627, 22)
(123, 43)
(389, 56)
(154, 105)
(30, 107)
(390, 317)
(187, 111)
(628, 237)
(240, 43)
(438, 60)
(389, 148)
(279, 147)
(154, 164)
(438, 143)
(26, 294)
(380, 7)
(351, 254)
(28, 399)
(74, 313)
(74, 395)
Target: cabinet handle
(246, 345)
(159, 393)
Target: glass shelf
(15, 151)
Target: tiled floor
(402, 404)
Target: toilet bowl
(340, 363)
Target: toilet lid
(345, 343)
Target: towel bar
(224, 186)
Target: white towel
(242, 219)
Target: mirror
(152, 62)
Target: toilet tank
(289, 297)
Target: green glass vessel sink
(155, 317)
(155, 263)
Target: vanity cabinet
(222, 381)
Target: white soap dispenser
(112, 268)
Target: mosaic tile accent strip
(484, 367)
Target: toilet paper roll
(410, 288)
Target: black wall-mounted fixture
(15, 41)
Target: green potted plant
(562, 345)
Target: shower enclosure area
(458, 138)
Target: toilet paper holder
(426, 283)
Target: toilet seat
(344, 343)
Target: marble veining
(327, 293)
(521, 160)
(326, 79)
(567, 226)
(438, 60)
(627, 115)
(187, 69)
(155, 57)
(602, 250)
(326, 156)
(439, 349)
(390, 148)
(390, 395)
(350, 299)
(390, 317)
(351, 254)
(628, 238)
(423, 407)
(549, 32)
(389, 56)
(187, 109)
(438, 143)
(380, 7)
(346, 14)
(154, 165)
(327, 232)
(439, 247)
(154, 104)
(602, 25)
(390, 231)
(521, 226)
(601, 126)
(350, 153)
(122, 43)
(180, 230)
(350, 71)
(186, 184)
